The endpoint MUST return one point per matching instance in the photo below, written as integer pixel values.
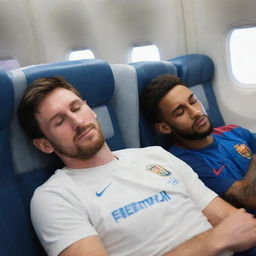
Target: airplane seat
(197, 71)
(125, 102)
(146, 71)
(23, 166)
(16, 234)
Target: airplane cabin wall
(207, 33)
(39, 31)
(17, 36)
(109, 28)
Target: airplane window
(81, 54)
(145, 53)
(9, 63)
(243, 55)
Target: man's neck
(103, 156)
(196, 144)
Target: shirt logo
(158, 169)
(243, 150)
(128, 210)
(173, 181)
(217, 172)
(99, 194)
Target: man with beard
(127, 202)
(222, 157)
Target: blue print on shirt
(130, 209)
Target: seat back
(125, 102)
(23, 166)
(197, 71)
(146, 72)
(16, 233)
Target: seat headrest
(148, 70)
(194, 69)
(6, 100)
(82, 74)
(92, 78)
(125, 102)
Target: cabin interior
(37, 38)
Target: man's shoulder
(55, 183)
(232, 132)
(178, 150)
(153, 152)
(140, 150)
(226, 129)
(188, 155)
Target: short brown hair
(31, 99)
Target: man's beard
(179, 134)
(80, 151)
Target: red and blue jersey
(223, 162)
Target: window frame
(143, 44)
(77, 50)
(238, 84)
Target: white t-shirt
(146, 202)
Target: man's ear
(44, 145)
(163, 127)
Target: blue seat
(16, 234)
(197, 71)
(125, 102)
(146, 72)
(23, 167)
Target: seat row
(113, 91)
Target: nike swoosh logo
(217, 172)
(99, 194)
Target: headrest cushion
(94, 73)
(194, 69)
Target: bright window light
(81, 54)
(145, 53)
(243, 55)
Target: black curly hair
(154, 92)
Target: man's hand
(237, 232)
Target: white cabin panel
(209, 26)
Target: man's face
(69, 125)
(184, 115)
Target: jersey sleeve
(58, 220)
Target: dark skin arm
(243, 192)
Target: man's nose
(76, 121)
(194, 112)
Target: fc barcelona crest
(158, 169)
(243, 150)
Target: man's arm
(89, 246)
(234, 230)
(243, 192)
